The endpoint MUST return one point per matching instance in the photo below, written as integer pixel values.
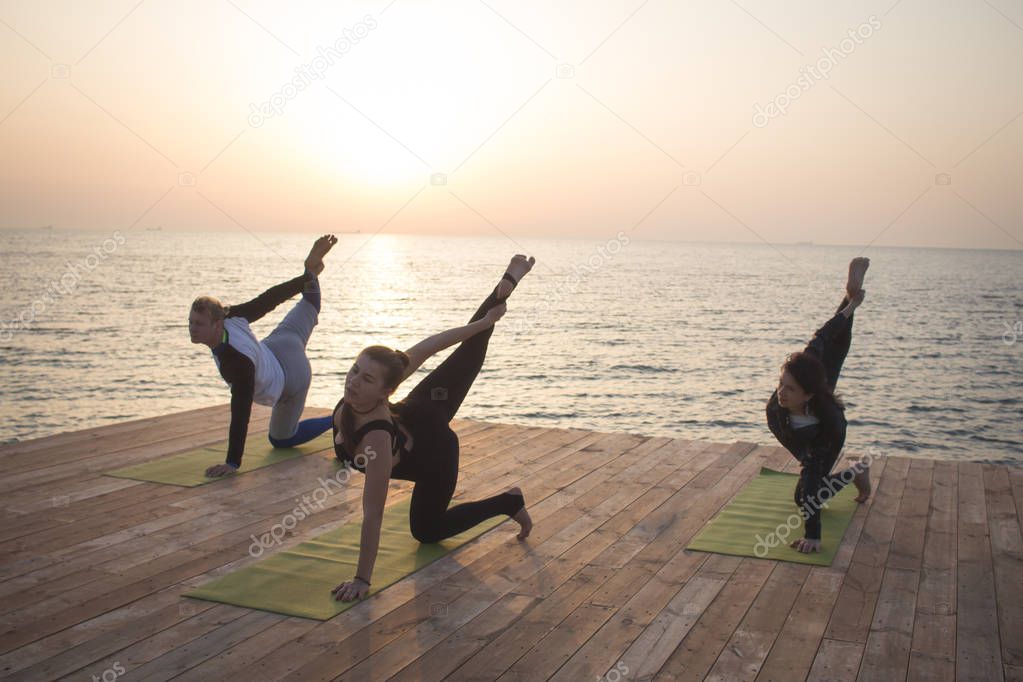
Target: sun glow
(353, 148)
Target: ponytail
(394, 362)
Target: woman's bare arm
(419, 353)
(376, 447)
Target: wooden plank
(575, 630)
(106, 623)
(886, 655)
(557, 490)
(483, 587)
(134, 658)
(698, 652)
(928, 570)
(699, 649)
(88, 652)
(1007, 558)
(111, 453)
(234, 661)
(792, 655)
(436, 662)
(307, 671)
(15, 636)
(836, 661)
(851, 619)
(164, 547)
(924, 667)
(747, 648)
(648, 652)
(978, 650)
(1016, 481)
(510, 644)
(193, 653)
(494, 658)
(907, 547)
(640, 590)
(933, 648)
(13, 453)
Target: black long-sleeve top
(816, 446)
(238, 369)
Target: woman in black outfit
(411, 440)
(809, 420)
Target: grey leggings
(287, 342)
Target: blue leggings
(307, 430)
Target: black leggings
(816, 483)
(832, 349)
(434, 457)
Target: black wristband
(359, 577)
(510, 279)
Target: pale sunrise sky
(574, 119)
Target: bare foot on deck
(517, 268)
(314, 261)
(862, 482)
(522, 516)
(857, 269)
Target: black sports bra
(390, 426)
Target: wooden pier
(928, 584)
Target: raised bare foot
(857, 269)
(522, 516)
(314, 261)
(862, 482)
(517, 268)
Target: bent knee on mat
(281, 442)
(427, 535)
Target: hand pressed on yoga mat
(218, 470)
(350, 590)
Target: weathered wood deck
(927, 585)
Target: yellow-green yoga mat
(188, 468)
(298, 581)
(764, 514)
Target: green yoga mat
(764, 510)
(188, 468)
(298, 581)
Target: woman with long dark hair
(808, 418)
(411, 440)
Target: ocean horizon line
(548, 238)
